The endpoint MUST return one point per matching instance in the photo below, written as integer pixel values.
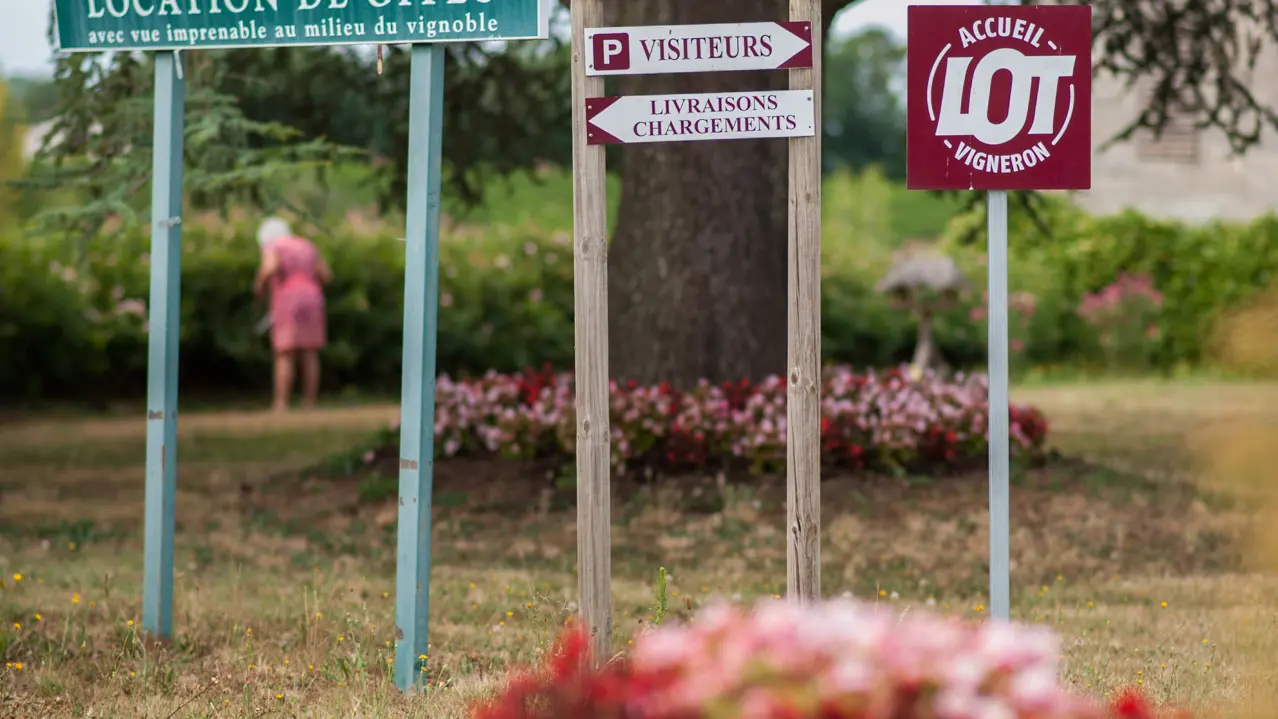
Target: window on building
(1179, 142)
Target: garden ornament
(925, 282)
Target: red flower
(1131, 704)
(566, 688)
(568, 656)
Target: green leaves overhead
(96, 157)
(1194, 59)
(256, 116)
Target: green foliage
(866, 218)
(506, 109)
(864, 116)
(1202, 272)
(506, 303)
(660, 598)
(36, 97)
(46, 335)
(506, 297)
(91, 158)
(378, 488)
(11, 144)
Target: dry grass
(284, 575)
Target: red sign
(999, 98)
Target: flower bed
(839, 660)
(876, 421)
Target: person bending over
(294, 273)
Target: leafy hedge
(506, 303)
(506, 299)
(1203, 272)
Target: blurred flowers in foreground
(836, 660)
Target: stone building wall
(1186, 174)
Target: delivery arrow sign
(698, 48)
(700, 116)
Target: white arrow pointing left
(702, 116)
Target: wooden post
(162, 345)
(803, 376)
(417, 406)
(590, 310)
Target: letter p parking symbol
(611, 51)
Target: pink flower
(868, 420)
(661, 650)
(853, 657)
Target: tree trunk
(698, 262)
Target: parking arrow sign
(698, 48)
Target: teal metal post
(162, 348)
(417, 407)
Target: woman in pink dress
(294, 272)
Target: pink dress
(297, 300)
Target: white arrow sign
(698, 48)
(702, 116)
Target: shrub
(1203, 272)
(1020, 313)
(836, 660)
(883, 422)
(506, 303)
(506, 295)
(1124, 316)
(12, 144)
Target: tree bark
(698, 261)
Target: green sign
(113, 25)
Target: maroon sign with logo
(999, 98)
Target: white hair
(272, 228)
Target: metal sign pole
(1000, 450)
(417, 407)
(162, 345)
(951, 144)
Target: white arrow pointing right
(698, 48)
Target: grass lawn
(285, 574)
